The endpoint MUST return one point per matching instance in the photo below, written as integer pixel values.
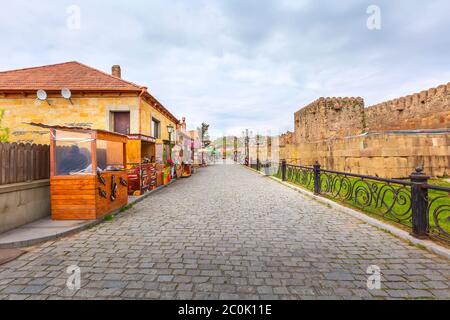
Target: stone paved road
(228, 233)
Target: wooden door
(122, 122)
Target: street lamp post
(203, 147)
(235, 144)
(247, 148)
(243, 145)
(257, 152)
(224, 148)
(204, 130)
(170, 130)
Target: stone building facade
(97, 100)
(388, 140)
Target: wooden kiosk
(77, 191)
(187, 170)
(184, 154)
(141, 165)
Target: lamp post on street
(247, 148)
(257, 152)
(203, 132)
(224, 148)
(235, 144)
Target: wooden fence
(23, 162)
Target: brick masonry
(95, 95)
(429, 109)
(88, 110)
(329, 117)
(343, 135)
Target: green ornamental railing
(413, 203)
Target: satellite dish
(41, 95)
(66, 94)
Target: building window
(121, 122)
(156, 128)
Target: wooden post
(125, 155)
(94, 152)
(52, 153)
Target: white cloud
(240, 64)
(295, 4)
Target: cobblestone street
(227, 233)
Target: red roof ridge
(6, 83)
(139, 87)
(109, 75)
(38, 67)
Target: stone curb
(427, 244)
(35, 241)
(87, 225)
(24, 186)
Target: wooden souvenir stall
(141, 167)
(168, 162)
(159, 164)
(160, 174)
(179, 170)
(187, 170)
(79, 192)
(184, 151)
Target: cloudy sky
(239, 63)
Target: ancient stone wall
(380, 140)
(286, 138)
(387, 155)
(328, 118)
(428, 109)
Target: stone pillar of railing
(283, 170)
(419, 205)
(316, 169)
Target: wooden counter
(79, 197)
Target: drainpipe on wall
(144, 89)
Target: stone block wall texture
(83, 111)
(429, 109)
(343, 135)
(147, 113)
(383, 155)
(330, 117)
(22, 203)
(92, 111)
(268, 151)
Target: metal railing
(260, 165)
(438, 210)
(255, 166)
(413, 203)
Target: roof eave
(164, 110)
(58, 90)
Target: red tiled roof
(72, 75)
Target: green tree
(4, 132)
